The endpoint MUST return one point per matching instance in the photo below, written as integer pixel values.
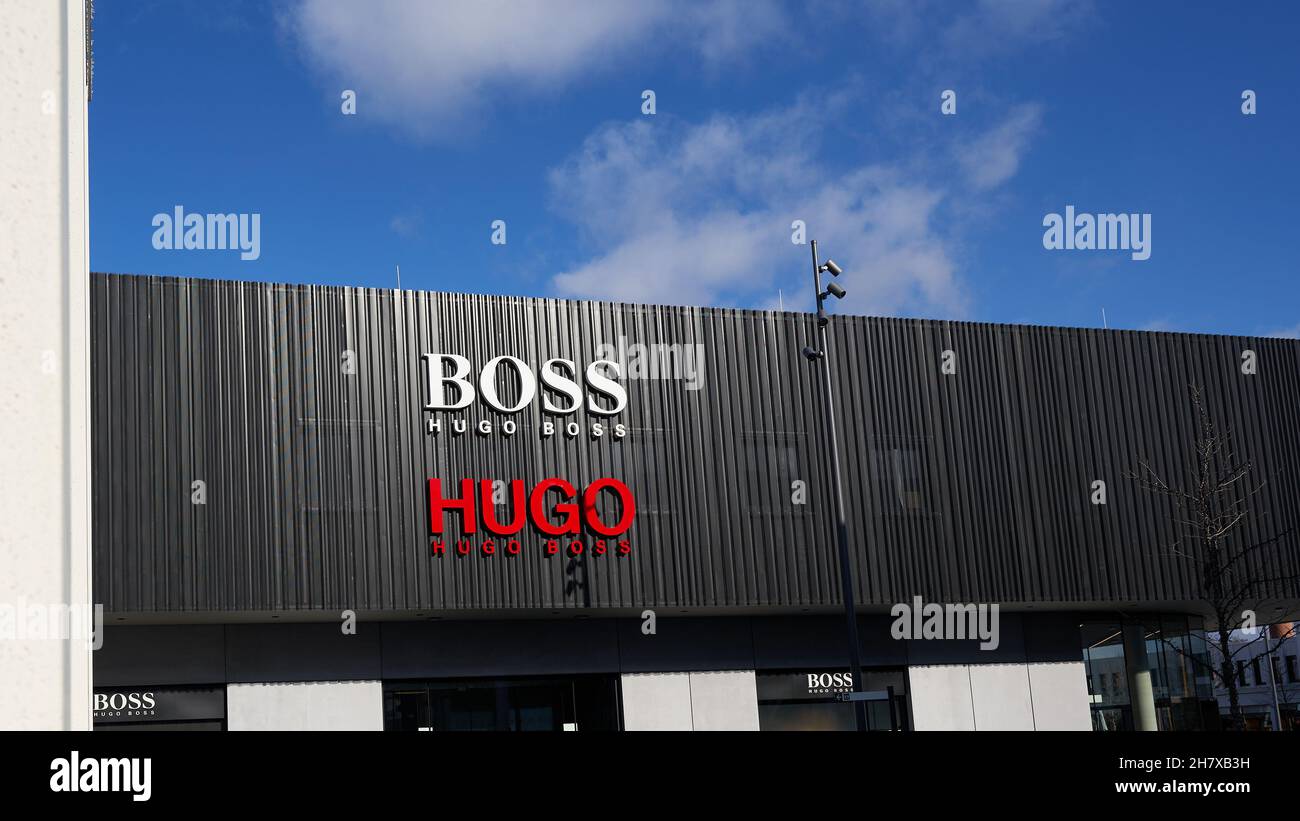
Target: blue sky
(766, 113)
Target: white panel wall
(941, 697)
(312, 705)
(724, 701)
(690, 701)
(1040, 696)
(44, 333)
(657, 701)
(1060, 694)
(1000, 697)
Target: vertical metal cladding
(966, 487)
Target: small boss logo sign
(823, 682)
(117, 702)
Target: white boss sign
(561, 394)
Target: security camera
(811, 352)
(832, 267)
(835, 291)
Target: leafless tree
(1212, 511)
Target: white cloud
(429, 66)
(1000, 25)
(701, 214)
(1286, 333)
(406, 224)
(994, 158)
(987, 28)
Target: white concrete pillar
(1141, 693)
(45, 682)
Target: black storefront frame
(583, 702)
(193, 707)
(795, 690)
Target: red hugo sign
(553, 508)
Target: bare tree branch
(1210, 510)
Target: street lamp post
(1272, 680)
(821, 352)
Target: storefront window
(1180, 681)
(1103, 658)
(519, 704)
(1179, 665)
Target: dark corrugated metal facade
(973, 486)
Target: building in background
(1268, 678)
(648, 544)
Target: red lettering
(465, 504)
(566, 517)
(541, 519)
(490, 522)
(625, 499)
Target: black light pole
(841, 528)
